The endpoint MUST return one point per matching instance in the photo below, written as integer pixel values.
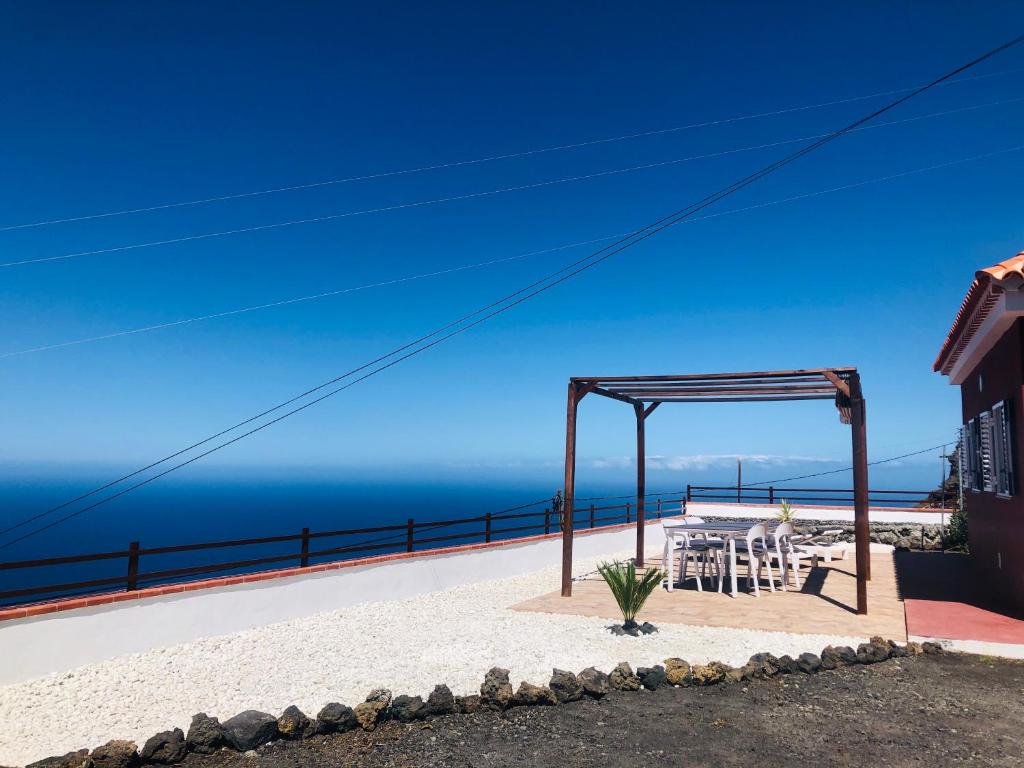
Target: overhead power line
(481, 315)
(491, 262)
(478, 195)
(486, 159)
(847, 469)
(312, 297)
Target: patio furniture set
(761, 544)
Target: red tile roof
(981, 297)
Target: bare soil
(928, 710)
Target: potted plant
(630, 593)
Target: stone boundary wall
(251, 730)
(904, 536)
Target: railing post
(659, 507)
(547, 521)
(771, 494)
(591, 515)
(487, 528)
(627, 512)
(304, 559)
(133, 567)
(689, 492)
(408, 535)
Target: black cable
(483, 314)
(629, 495)
(845, 469)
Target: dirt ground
(928, 710)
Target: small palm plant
(629, 591)
(785, 514)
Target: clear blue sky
(120, 105)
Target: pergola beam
(700, 376)
(669, 381)
(738, 399)
(614, 395)
(839, 384)
(641, 394)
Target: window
(1002, 450)
(987, 450)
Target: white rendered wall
(59, 642)
(839, 514)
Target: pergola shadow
(646, 393)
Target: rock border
(252, 729)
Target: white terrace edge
(59, 642)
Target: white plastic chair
(693, 547)
(755, 548)
(787, 553)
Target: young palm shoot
(629, 591)
(785, 514)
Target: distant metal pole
(943, 459)
(739, 480)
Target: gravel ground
(926, 710)
(453, 636)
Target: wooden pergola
(646, 393)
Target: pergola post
(861, 527)
(641, 481)
(570, 487)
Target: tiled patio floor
(941, 601)
(825, 604)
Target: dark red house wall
(996, 525)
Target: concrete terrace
(825, 604)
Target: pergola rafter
(646, 393)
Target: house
(984, 355)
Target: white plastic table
(729, 531)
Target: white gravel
(453, 636)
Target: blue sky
(121, 105)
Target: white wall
(839, 514)
(60, 642)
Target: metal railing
(823, 496)
(304, 549)
(313, 547)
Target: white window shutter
(1003, 433)
(987, 468)
(998, 460)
